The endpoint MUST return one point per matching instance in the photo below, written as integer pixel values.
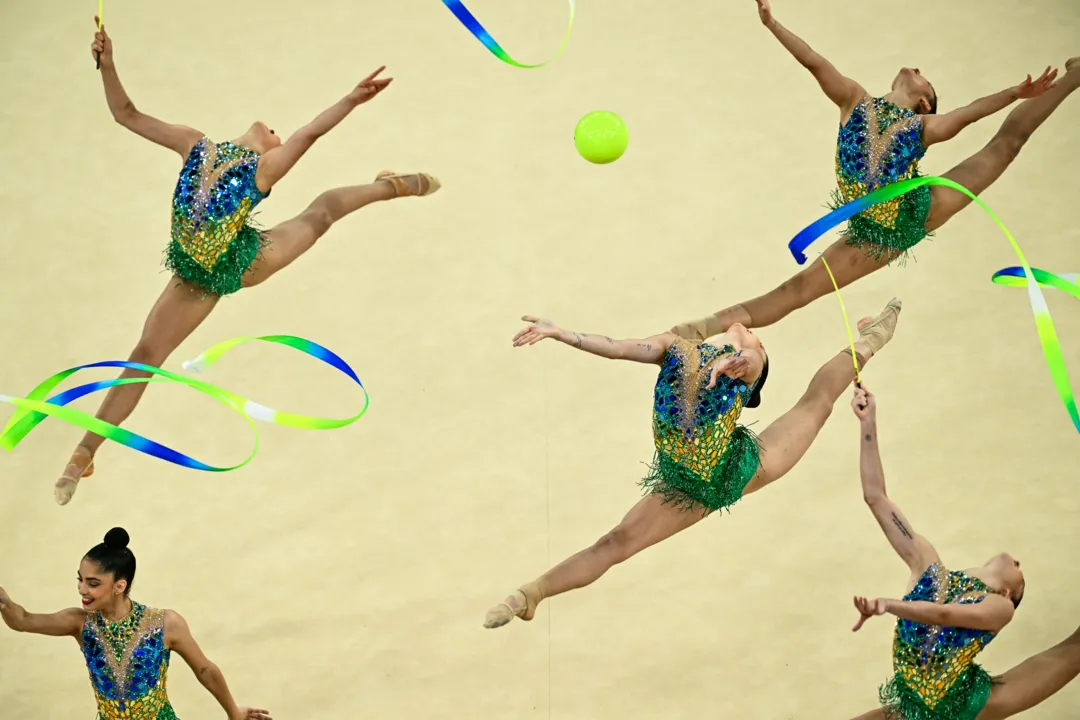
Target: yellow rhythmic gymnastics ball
(601, 137)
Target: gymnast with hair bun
(880, 142)
(704, 460)
(215, 249)
(126, 645)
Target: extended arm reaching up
(177, 138)
(275, 164)
(914, 549)
(843, 91)
(941, 128)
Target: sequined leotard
(703, 457)
(881, 144)
(935, 676)
(213, 244)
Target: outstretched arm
(942, 128)
(650, 350)
(914, 549)
(275, 164)
(65, 622)
(843, 91)
(177, 138)
(178, 638)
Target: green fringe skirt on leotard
(883, 243)
(227, 274)
(964, 701)
(678, 485)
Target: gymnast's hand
(867, 609)
(369, 87)
(251, 714)
(764, 11)
(1034, 88)
(102, 44)
(536, 331)
(734, 367)
(864, 404)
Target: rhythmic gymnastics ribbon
(473, 25)
(1016, 276)
(34, 408)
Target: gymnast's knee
(1009, 141)
(616, 545)
(149, 351)
(818, 403)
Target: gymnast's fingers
(371, 77)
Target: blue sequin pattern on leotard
(935, 675)
(882, 144)
(703, 457)
(212, 243)
(128, 664)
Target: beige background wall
(346, 573)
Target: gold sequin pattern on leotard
(931, 659)
(878, 125)
(692, 425)
(213, 199)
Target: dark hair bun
(117, 539)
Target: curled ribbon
(473, 25)
(34, 408)
(1022, 276)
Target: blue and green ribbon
(35, 407)
(1021, 276)
(480, 33)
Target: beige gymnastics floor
(346, 573)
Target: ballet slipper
(81, 465)
(875, 332)
(521, 604)
(402, 188)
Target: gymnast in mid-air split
(215, 250)
(880, 142)
(947, 617)
(126, 645)
(704, 460)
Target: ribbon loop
(34, 408)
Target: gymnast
(947, 618)
(880, 142)
(126, 645)
(215, 249)
(704, 460)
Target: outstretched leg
(293, 238)
(1034, 680)
(647, 523)
(848, 263)
(982, 169)
(787, 439)
(178, 311)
